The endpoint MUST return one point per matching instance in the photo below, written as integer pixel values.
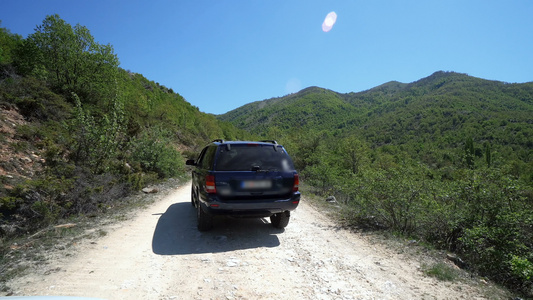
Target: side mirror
(190, 162)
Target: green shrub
(46, 212)
(483, 215)
(441, 271)
(140, 180)
(154, 152)
(35, 101)
(8, 203)
(396, 198)
(96, 143)
(521, 268)
(502, 247)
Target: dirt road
(159, 254)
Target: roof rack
(218, 141)
(269, 141)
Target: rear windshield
(253, 157)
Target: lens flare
(330, 20)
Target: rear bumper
(250, 208)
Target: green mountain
(312, 107)
(447, 159)
(444, 106)
(442, 110)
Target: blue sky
(222, 54)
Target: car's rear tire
(280, 220)
(205, 220)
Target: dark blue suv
(244, 179)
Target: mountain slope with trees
(439, 112)
(447, 159)
(79, 133)
(312, 107)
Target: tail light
(210, 187)
(296, 185)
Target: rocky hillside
(15, 166)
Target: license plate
(256, 184)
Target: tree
(353, 152)
(469, 153)
(488, 155)
(70, 60)
(96, 142)
(8, 43)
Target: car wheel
(205, 220)
(280, 220)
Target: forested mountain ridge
(447, 159)
(444, 108)
(452, 94)
(436, 108)
(312, 107)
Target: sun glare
(330, 20)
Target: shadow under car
(176, 233)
